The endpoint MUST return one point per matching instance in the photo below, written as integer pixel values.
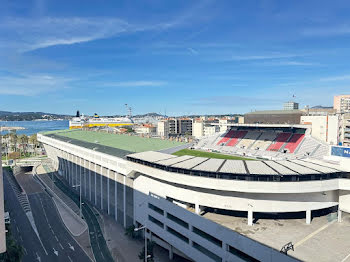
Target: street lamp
(144, 228)
(80, 203)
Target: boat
(96, 121)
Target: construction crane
(128, 110)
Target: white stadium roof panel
(322, 169)
(234, 167)
(212, 165)
(174, 160)
(324, 163)
(280, 169)
(298, 168)
(259, 168)
(190, 163)
(152, 156)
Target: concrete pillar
(171, 252)
(197, 208)
(85, 180)
(80, 175)
(124, 200)
(101, 179)
(115, 196)
(76, 173)
(71, 170)
(250, 217)
(308, 217)
(339, 215)
(66, 167)
(95, 184)
(108, 173)
(90, 181)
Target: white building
(290, 105)
(325, 128)
(210, 130)
(198, 129)
(145, 129)
(163, 128)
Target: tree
(24, 142)
(14, 252)
(130, 231)
(14, 139)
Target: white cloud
(336, 78)
(136, 84)
(27, 34)
(288, 63)
(262, 57)
(30, 34)
(31, 85)
(327, 31)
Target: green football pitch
(190, 152)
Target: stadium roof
(276, 112)
(238, 167)
(113, 144)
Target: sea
(33, 127)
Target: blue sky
(182, 57)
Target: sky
(176, 57)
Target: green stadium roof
(113, 144)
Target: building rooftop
(276, 112)
(324, 238)
(113, 144)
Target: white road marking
(55, 251)
(345, 258)
(313, 234)
(70, 246)
(56, 238)
(70, 259)
(37, 257)
(60, 245)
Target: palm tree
(14, 139)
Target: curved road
(55, 243)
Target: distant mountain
(321, 107)
(149, 115)
(28, 116)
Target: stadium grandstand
(210, 209)
(276, 142)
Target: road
(97, 239)
(55, 243)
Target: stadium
(229, 200)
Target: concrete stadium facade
(138, 194)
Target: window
(241, 254)
(177, 234)
(156, 209)
(207, 252)
(208, 237)
(177, 220)
(155, 221)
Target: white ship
(83, 121)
